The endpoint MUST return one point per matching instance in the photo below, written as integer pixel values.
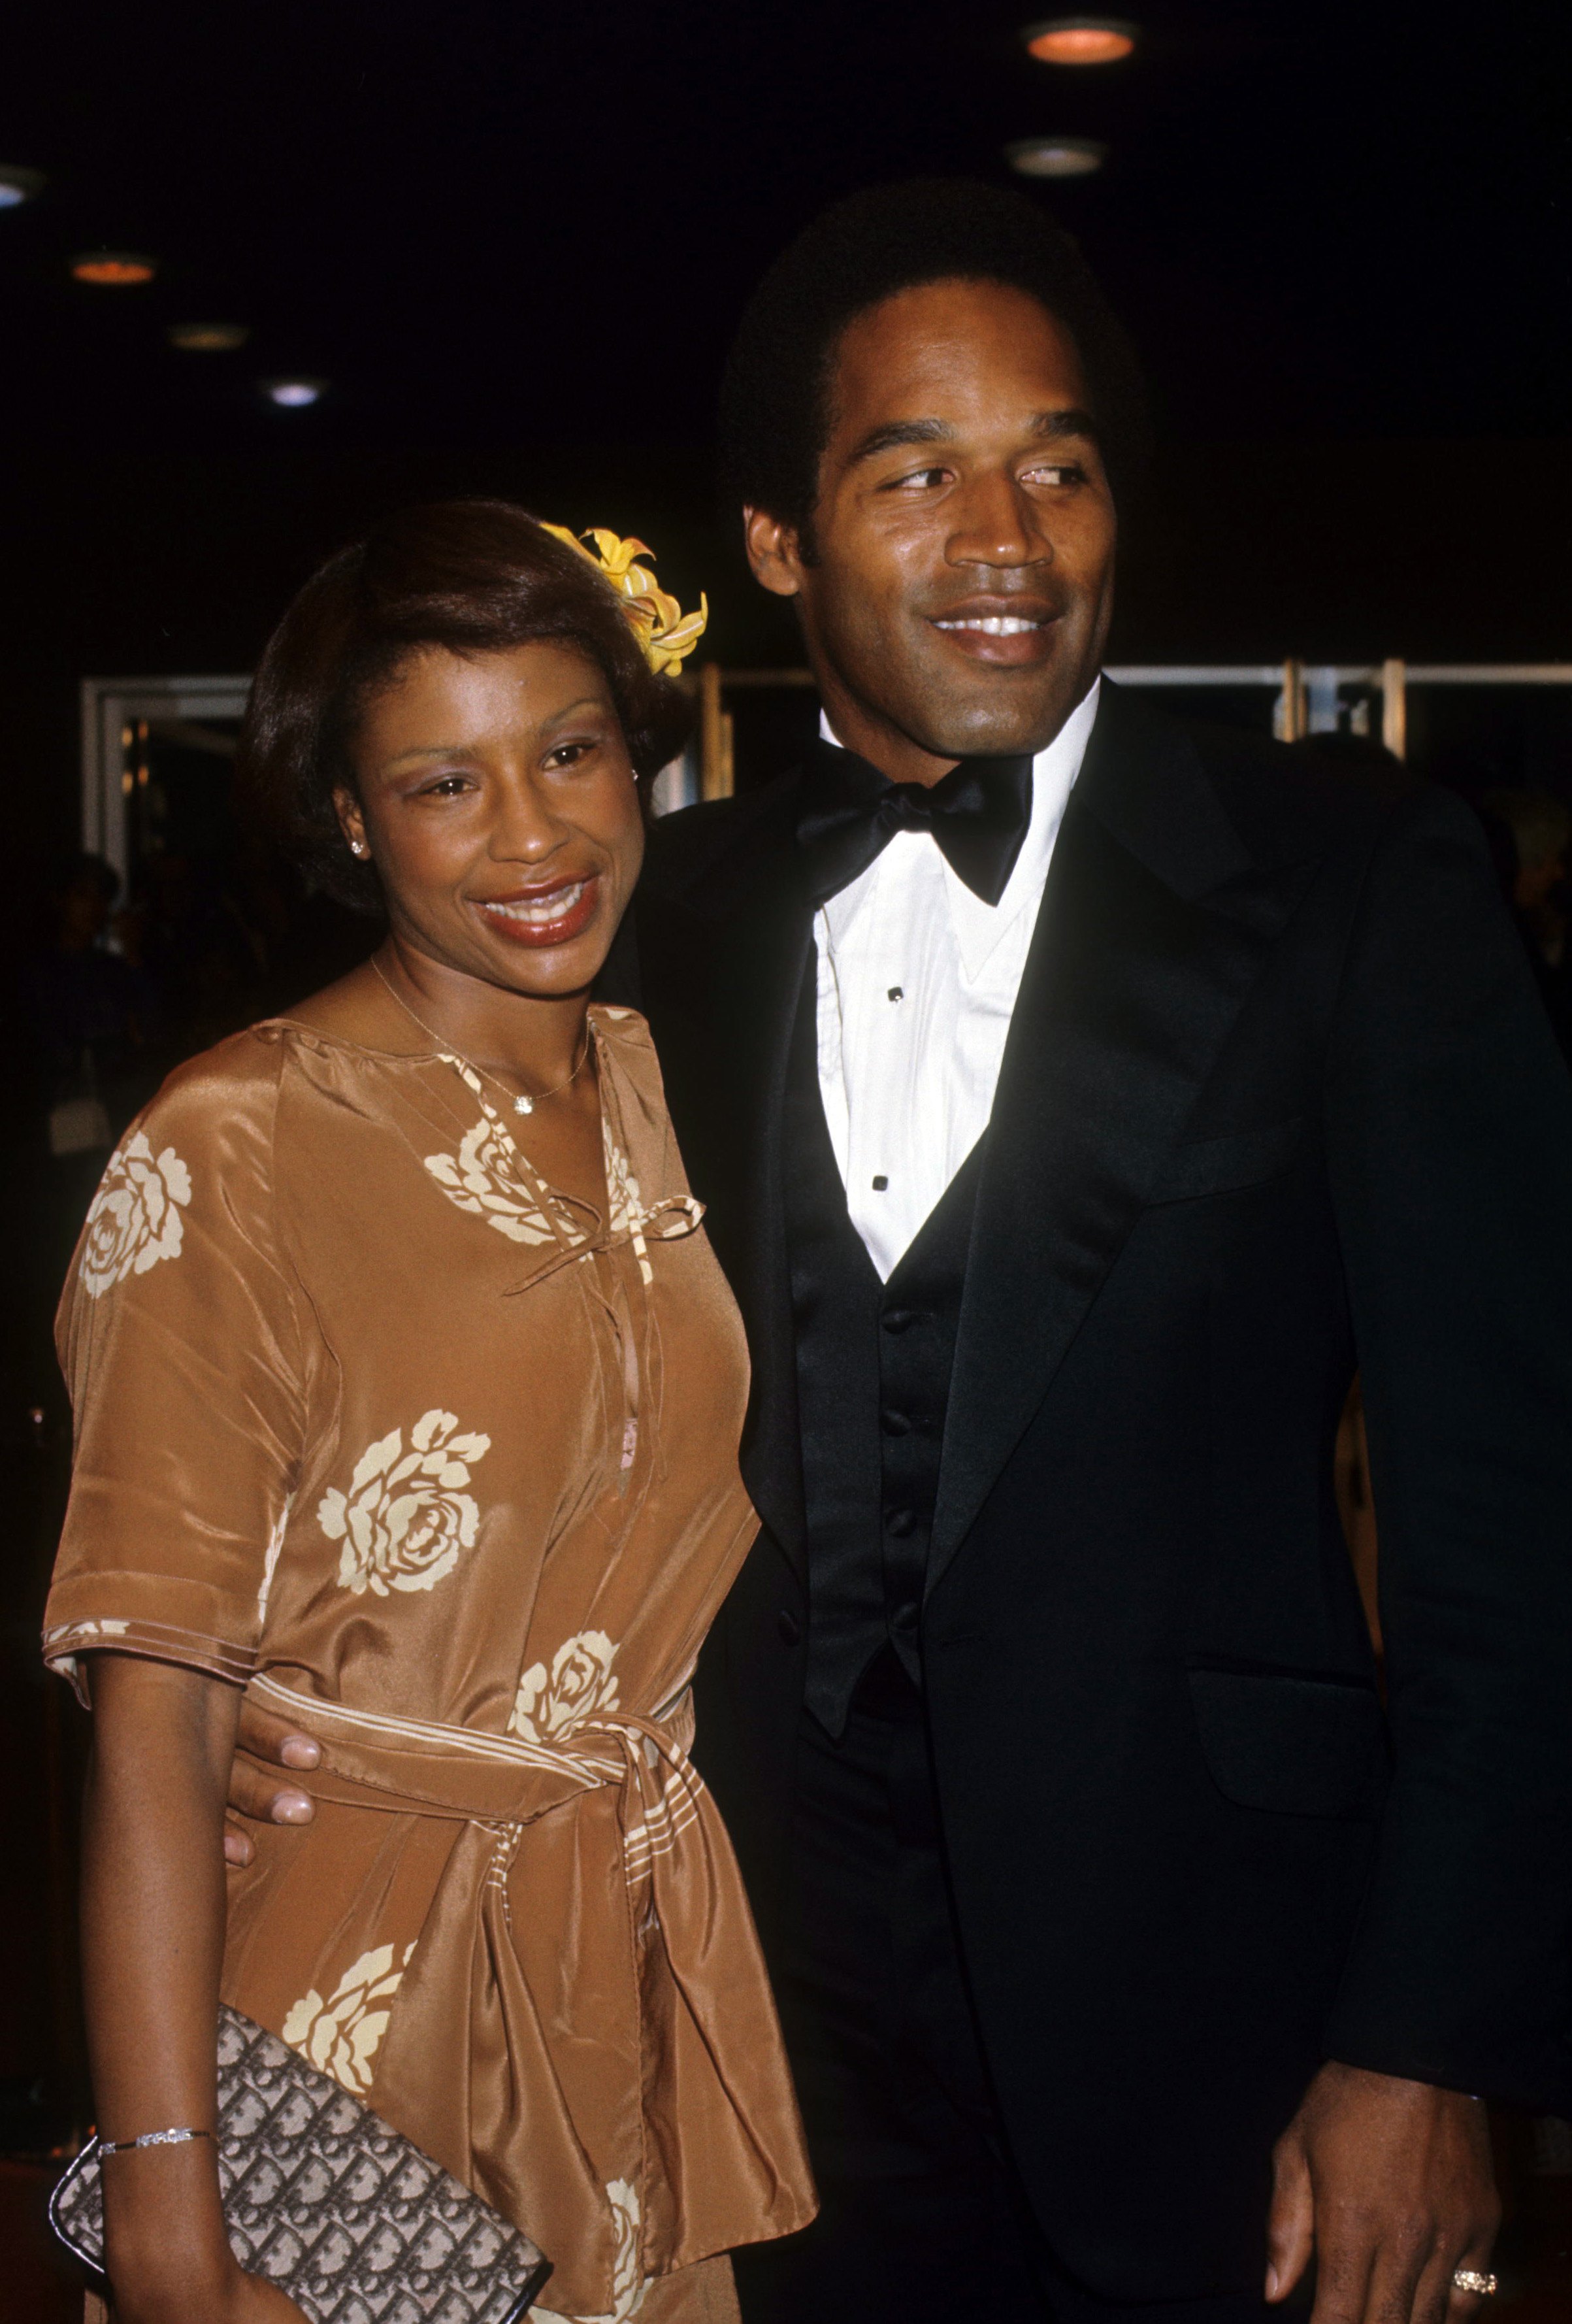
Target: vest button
(904, 1619)
(894, 1424)
(899, 1319)
(901, 1523)
(790, 1628)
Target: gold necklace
(522, 1104)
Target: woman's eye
(446, 786)
(568, 754)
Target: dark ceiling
(516, 236)
(485, 219)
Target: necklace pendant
(523, 1105)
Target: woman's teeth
(993, 625)
(542, 911)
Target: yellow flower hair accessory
(664, 632)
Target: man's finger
(1345, 2253)
(268, 1738)
(255, 1793)
(237, 1843)
(1291, 2222)
(1462, 2306)
(1404, 2275)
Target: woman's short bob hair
(475, 577)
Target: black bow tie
(977, 813)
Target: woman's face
(497, 801)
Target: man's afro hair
(775, 415)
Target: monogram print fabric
(327, 2202)
(442, 1465)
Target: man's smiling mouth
(994, 633)
(997, 625)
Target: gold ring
(1470, 2279)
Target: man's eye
(917, 480)
(1058, 472)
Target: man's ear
(350, 821)
(773, 551)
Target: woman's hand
(255, 2300)
(237, 2299)
(152, 1944)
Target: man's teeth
(540, 912)
(993, 625)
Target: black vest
(873, 1382)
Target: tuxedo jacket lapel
(1154, 925)
(722, 959)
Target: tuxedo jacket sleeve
(1448, 1142)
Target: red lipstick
(539, 918)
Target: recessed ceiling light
(1080, 39)
(1056, 157)
(294, 394)
(18, 186)
(118, 269)
(208, 339)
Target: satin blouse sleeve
(179, 1341)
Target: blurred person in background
(406, 1395)
(87, 1013)
(86, 1022)
(1540, 827)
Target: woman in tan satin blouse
(406, 1395)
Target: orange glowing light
(1081, 41)
(119, 268)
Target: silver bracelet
(151, 2138)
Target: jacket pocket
(1223, 1165)
(1297, 1745)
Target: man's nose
(997, 524)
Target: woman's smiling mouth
(544, 915)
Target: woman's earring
(357, 847)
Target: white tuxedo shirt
(917, 979)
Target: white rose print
(406, 1518)
(341, 2035)
(580, 1684)
(136, 1219)
(484, 1178)
(628, 2283)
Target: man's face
(961, 579)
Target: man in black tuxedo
(1077, 1099)
(1044, 1715)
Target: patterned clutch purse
(322, 2198)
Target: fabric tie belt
(650, 2061)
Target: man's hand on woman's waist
(264, 1798)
